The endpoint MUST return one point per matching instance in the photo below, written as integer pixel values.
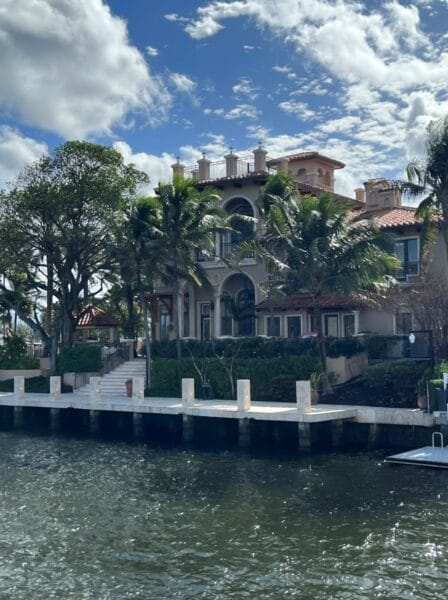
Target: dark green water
(98, 520)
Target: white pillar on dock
(138, 389)
(303, 396)
(187, 392)
(19, 387)
(55, 387)
(95, 389)
(243, 394)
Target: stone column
(55, 419)
(244, 426)
(94, 421)
(187, 428)
(216, 314)
(55, 388)
(243, 394)
(192, 311)
(180, 312)
(337, 433)
(19, 387)
(137, 425)
(138, 389)
(187, 392)
(304, 436)
(356, 314)
(303, 396)
(95, 389)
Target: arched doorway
(238, 306)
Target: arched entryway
(238, 306)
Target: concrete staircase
(114, 382)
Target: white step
(114, 383)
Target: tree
(429, 177)
(58, 221)
(140, 251)
(190, 220)
(311, 247)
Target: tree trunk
(326, 386)
(129, 326)
(50, 288)
(67, 329)
(147, 338)
(176, 317)
(53, 354)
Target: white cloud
(17, 151)
(245, 87)
(68, 67)
(241, 111)
(157, 167)
(183, 83)
(151, 51)
(299, 109)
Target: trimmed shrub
(273, 379)
(257, 347)
(80, 359)
(36, 385)
(395, 383)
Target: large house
(235, 302)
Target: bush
(395, 383)
(13, 355)
(36, 385)
(384, 347)
(257, 347)
(273, 379)
(80, 359)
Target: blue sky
(156, 79)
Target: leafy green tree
(58, 221)
(311, 247)
(428, 177)
(190, 219)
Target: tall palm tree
(429, 177)
(311, 247)
(190, 220)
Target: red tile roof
(93, 316)
(388, 218)
(298, 155)
(304, 301)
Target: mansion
(235, 302)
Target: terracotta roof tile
(388, 218)
(298, 155)
(93, 316)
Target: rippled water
(90, 519)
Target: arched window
(243, 230)
(328, 180)
(301, 174)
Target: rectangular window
(205, 321)
(403, 323)
(165, 322)
(331, 328)
(407, 253)
(273, 326)
(349, 325)
(294, 327)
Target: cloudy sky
(358, 81)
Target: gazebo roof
(94, 317)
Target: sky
(157, 79)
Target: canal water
(85, 519)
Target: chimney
(204, 168)
(360, 195)
(178, 169)
(260, 158)
(231, 164)
(381, 194)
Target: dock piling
(55, 387)
(95, 389)
(244, 427)
(243, 394)
(19, 387)
(187, 392)
(304, 430)
(187, 429)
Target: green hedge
(80, 359)
(273, 379)
(37, 385)
(13, 355)
(257, 347)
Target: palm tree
(429, 177)
(189, 222)
(311, 247)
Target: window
(165, 323)
(226, 314)
(348, 325)
(407, 253)
(331, 328)
(403, 323)
(294, 327)
(205, 321)
(273, 326)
